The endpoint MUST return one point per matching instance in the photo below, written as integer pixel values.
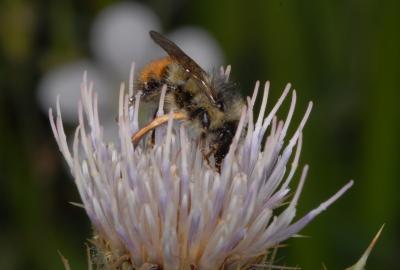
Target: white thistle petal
(165, 205)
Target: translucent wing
(197, 73)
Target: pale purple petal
(164, 204)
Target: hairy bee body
(216, 117)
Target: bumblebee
(207, 101)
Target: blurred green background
(343, 55)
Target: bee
(207, 101)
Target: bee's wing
(185, 61)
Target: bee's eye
(220, 106)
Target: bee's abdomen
(155, 70)
(152, 78)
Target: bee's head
(228, 100)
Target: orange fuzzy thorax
(155, 69)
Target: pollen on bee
(155, 69)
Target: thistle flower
(163, 206)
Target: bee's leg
(131, 101)
(218, 161)
(153, 132)
(158, 121)
(202, 144)
(203, 116)
(220, 152)
(153, 137)
(211, 151)
(218, 167)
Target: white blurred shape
(120, 36)
(65, 81)
(199, 45)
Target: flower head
(163, 205)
